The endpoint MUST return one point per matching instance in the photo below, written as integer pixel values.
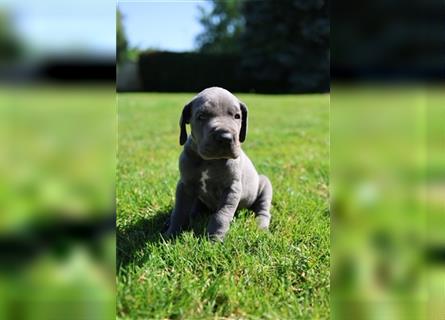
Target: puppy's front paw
(169, 234)
(262, 222)
(166, 235)
(165, 226)
(216, 238)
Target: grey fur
(215, 173)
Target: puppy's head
(218, 122)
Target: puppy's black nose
(223, 137)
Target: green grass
(281, 274)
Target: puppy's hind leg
(262, 204)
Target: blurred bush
(10, 45)
(188, 71)
(170, 71)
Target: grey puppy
(216, 174)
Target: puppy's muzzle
(223, 137)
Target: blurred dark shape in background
(11, 47)
(189, 71)
(388, 40)
(65, 68)
(75, 69)
(275, 47)
(287, 43)
(387, 160)
(57, 134)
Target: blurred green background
(57, 160)
(57, 242)
(387, 201)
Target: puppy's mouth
(208, 153)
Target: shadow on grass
(132, 239)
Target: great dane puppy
(216, 175)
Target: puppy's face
(218, 122)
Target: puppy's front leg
(220, 221)
(180, 217)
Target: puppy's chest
(211, 184)
(209, 179)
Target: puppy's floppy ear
(185, 118)
(243, 131)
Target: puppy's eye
(201, 116)
(237, 116)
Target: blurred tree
(121, 39)
(286, 43)
(223, 26)
(377, 40)
(10, 45)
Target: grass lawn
(281, 274)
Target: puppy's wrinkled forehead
(216, 100)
